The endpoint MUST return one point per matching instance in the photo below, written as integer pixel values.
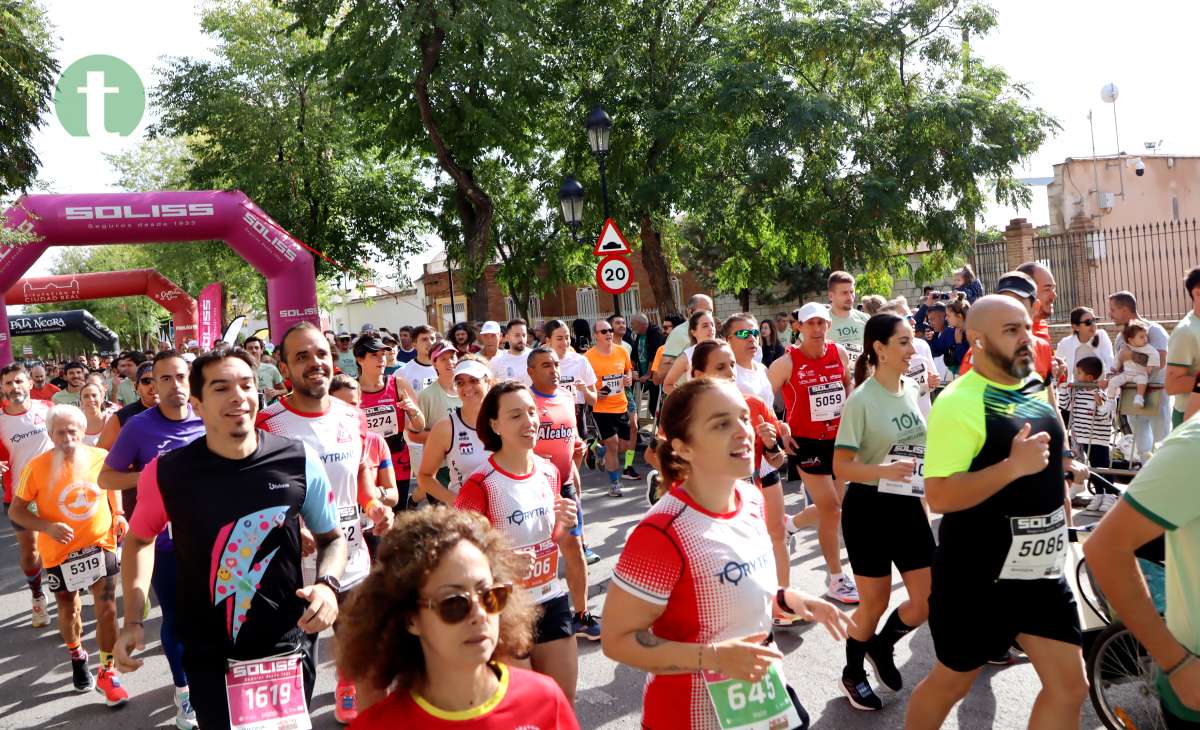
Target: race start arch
(159, 217)
(74, 320)
(107, 285)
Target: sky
(1064, 51)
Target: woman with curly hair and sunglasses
(434, 621)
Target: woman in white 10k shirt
(454, 440)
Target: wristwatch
(334, 584)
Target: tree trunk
(656, 268)
(744, 299)
(477, 225)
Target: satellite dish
(1109, 93)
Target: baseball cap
(1015, 282)
(367, 328)
(441, 348)
(344, 335)
(490, 327)
(812, 309)
(367, 343)
(388, 338)
(473, 368)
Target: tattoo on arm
(647, 639)
(332, 553)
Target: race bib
(348, 518)
(761, 705)
(614, 383)
(267, 694)
(83, 568)
(383, 420)
(915, 486)
(1039, 547)
(567, 383)
(920, 373)
(853, 352)
(825, 401)
(540, 581)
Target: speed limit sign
(614, 274)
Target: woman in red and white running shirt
(691, 596)
(814, 378)
(386, 403)
(433, 623)
(716, 360)
(518, 492)
(454, 440)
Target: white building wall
(392, 311)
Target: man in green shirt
(127, 365)
(74, 372)
(678, 340)
(268, 377)
(1162, 499)
(1183, 351)
(846, 322)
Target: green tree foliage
(261, 118)
(27, 72)
(465, 85)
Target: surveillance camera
(1139, 168)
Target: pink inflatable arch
(88, 220)
(109, 284)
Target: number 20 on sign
(614, 274)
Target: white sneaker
(843, 590)
(39, 616)
(185, 716)
(1139, 401)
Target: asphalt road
(36, 692)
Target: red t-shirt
(814, 381)
(45, 393)
(525, 700)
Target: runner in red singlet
(691, 596)
(386, 403)
(558, 441)
(814, 379)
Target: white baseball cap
(813, 309)
(490, 327)
(474, 368)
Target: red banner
(208, 311)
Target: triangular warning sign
(611, 241)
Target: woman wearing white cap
(453, 440)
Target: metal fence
(989, 263)
(1064, 255)
(1149, 260)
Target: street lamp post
(570, 194)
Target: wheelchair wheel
(1122, 674)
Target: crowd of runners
(419, 495)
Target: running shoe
(39, 616)
(1003, 660)
(345, 703)
(860, 694)
(631, 474)
(185, 716)
(589, 556)
(884, 664)
(614, 490)
(781, 620)
(108, 683)
(843, 590)
(586, 626)
(81, 675)
(652, 482)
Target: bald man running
(998, 568)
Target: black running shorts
(972, 621)
(882, 529)
(613, 424)
(56, 581)
(556, 621)
(813, 456)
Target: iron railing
(989, 263)
(1149, 260)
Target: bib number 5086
(1043, 546)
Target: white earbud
(978, 343)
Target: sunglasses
(604, 332)
(454, 608)
(746, 334)
(146, 381)
(1087, 322)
